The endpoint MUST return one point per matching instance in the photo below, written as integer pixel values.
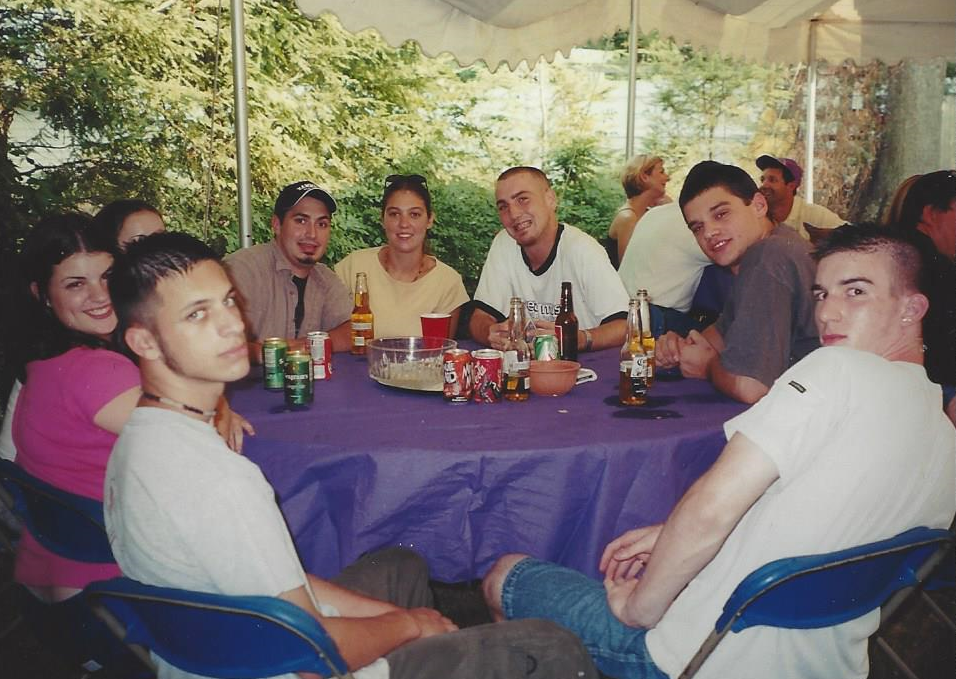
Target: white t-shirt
(576, 257)
(864, 452)
(184, 511)
(815, 215)
(663, 258)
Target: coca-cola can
(487, 369)
(320, 348)
(456, 368)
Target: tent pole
(631, 84)
(811, 112)
(241, 123)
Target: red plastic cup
(437, 326)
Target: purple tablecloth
(367, 466)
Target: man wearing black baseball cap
(779, 181)
(285, 291)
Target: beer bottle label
(508, 362)
(639, 366)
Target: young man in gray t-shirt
(767, 322)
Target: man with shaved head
(530, 259)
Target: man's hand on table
(498, 335)
(696, 355)
(232, 426)
(667, 350)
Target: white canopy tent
(512, 31)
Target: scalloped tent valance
(512, 31)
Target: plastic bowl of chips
(408, 362)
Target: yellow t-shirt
(398, 305)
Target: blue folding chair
(69, 525)
(239, 637)
(822, 590)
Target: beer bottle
(566, 325)
(517, 357)
(632, 387)
(647, 335)
(362, 320)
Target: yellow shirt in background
(398, 305)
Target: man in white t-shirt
(779, 180)
(530, 259)
(848, 447)
(183, 511)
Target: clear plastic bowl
(408, 362)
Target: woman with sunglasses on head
(127, 220)
(404, 281)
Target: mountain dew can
(273, 358)
(546, 348)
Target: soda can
(298, 378)
(273, 359)
(320, 348)
(546, 347)
(487, 369)
(456, 369)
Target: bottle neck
(633, 321)
(567, 299)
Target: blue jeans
(538, 589)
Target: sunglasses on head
(413, 178)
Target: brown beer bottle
(632, 387)
(566, 325)
(362, 320)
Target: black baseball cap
(293, 193)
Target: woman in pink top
(76, 394)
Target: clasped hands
(622, 561)
(693, 353)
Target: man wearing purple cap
(285, 291)
(779, 181)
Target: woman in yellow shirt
(404, 281)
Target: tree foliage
(709, 105)
(140, 97)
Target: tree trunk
(911, 143)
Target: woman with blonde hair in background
(644, 181)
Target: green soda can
(273, 359)
(298, 379)
(546, 348)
